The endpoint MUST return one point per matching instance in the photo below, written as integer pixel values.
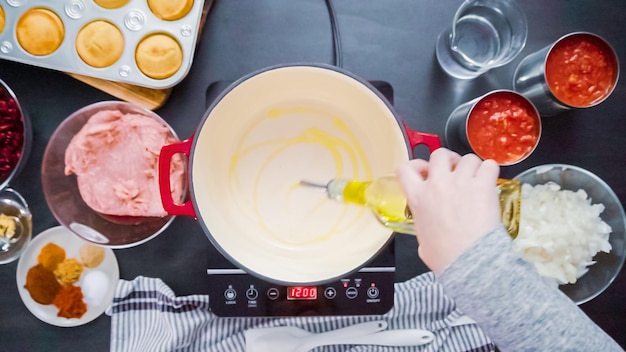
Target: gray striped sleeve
(512, 303)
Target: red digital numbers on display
(301, 292)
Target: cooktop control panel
(369, 291)
(234, 293)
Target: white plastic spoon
(403, 337)
(288, 338)
(294, 339)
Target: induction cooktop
(235, 293)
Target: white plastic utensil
(291, 339)
(288, 338)
(404, 337)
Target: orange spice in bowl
(70, 302)
(50, 256)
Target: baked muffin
(111, 4)
(2, 19)
(99, 43)
(158, 56)
(40, 31)
(170, 10)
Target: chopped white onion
(560, 231)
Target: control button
(373, 292)
(230, 293)
(252, 293)
(330, 293)
(273, 293)
(352, 292)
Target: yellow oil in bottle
(354, 192)
(384, 196)
(510, 204)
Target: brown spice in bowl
(42, 285)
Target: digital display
(301, 292)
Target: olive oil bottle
(385, 198)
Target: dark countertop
(390, 40)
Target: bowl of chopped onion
(572, 229)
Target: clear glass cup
(483, 35)
(15, 224)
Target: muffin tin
(135, 21)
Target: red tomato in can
(503, 126)
(581, 70)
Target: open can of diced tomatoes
(501, 125)
(579, 70)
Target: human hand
(454, 201)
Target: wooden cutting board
(149, 98)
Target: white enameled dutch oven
(265, 133)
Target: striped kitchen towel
(146, 315)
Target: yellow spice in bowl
(68, 271)
(159, 56)
(40, 31)
(99, 44)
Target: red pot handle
(165, 187)
(415, 138)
